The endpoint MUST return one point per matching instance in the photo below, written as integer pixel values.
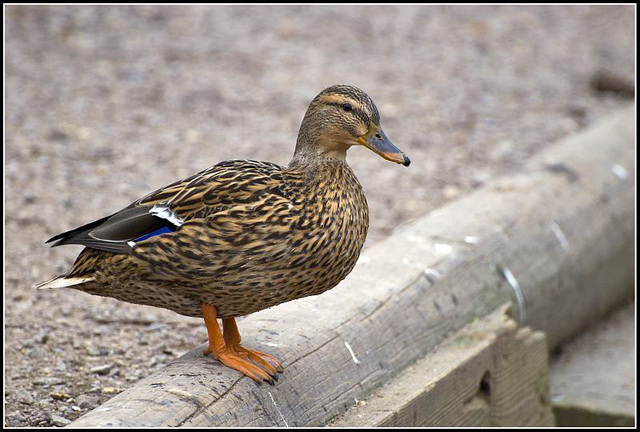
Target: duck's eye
(347, 107)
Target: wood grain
(592, 378)
(490, 373)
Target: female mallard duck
(242, 235)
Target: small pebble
(59, 421)
(25, 398)
(102, 369)
(87, 401)
(61, 395)
(15, 418)
(97, 351)
(48, 381)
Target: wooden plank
(593, 377)
(490, 373)
(558, 232)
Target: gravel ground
(104, 104)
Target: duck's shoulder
(225, 177)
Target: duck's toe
(237, 361)
(265, 361)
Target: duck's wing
(227, 184)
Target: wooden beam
(490, 373)
(549, 238)
(592, 378)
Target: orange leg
(227, 349)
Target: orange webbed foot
(240, 363)
(254, 364)
(265, 361)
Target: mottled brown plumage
(254, 235)
(242, 235)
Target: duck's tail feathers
(63, 282)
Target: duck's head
(342, 116)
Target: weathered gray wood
(490, 373)
(592, 380)
(562, 229)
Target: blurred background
(104, 104)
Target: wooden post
(556, 239)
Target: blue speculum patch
(163, 230)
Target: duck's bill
(376, 141)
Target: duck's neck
(328, 148)
(319, 142)
(316, 168)
(306, 160)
